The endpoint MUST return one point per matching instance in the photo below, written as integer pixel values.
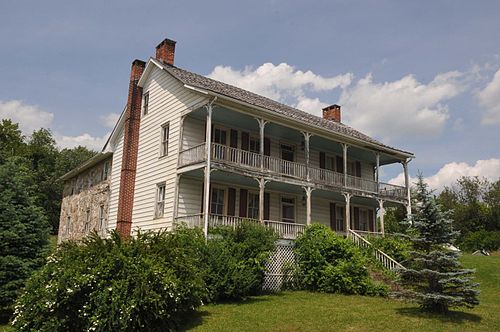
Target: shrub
(330, 263)
(482, 240)
(396, 247)
(146, 283)
(235, 260)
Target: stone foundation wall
(85, 203)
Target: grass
(303, 311)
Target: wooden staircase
(387, 261)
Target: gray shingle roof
(228, 90)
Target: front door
(288, 209)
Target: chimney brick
(130, 149)
(165, 51)
(332, 113)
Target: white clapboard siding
(168, 99)
(189, 196)
(115, 181)
(194, 133)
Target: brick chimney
(165, 51)
(130, 149)
(332, 113)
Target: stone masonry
(85, 203)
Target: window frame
(253, 208)
(164, 140)
(145, 103)
(160, 201)
(224, 197)
(100, 225)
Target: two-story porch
(233, 166)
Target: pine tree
(23, 231)
(435, 278)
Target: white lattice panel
(282, 256)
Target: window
(86, 227)
(164, 140)
(254, 145)
(287, 209)
(105, 171)
(160, 200)
(220, 136)
(339, 216)
(68, 225)
(217, 201)
(253, 205)
(145, 104)
(351, 168)
(100, 226)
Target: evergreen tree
(23, 231)
(435, 278)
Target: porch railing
(391, 190)
(284, 230)
(285, 167)
(192, 155)
(326, 176)
(251, 160)
(387, 261)
(361, 183)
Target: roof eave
(86, 165)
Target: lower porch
(235, 197)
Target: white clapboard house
(191, 149)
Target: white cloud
(109, 120)
(29, 117)
(489, 98)
(449, 173)
(87, 140)
(404, 107)
(310, 105)
(280, 82)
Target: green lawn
(303, 311)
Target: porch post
(262, 126)
(262, 186)
(307, 137)
(382, 214)
(377, 173)
(208, 157)
(308, 191)
(407, 185)
(176, 197)
(181, 138)
(347, 213)
(344, 148)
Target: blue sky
(417, 75)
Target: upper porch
(264, 148)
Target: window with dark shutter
(245, 141)
(267, 201)
(231, 201)
(243, 202)
(322, 160)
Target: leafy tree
(23, 231)
(11, 140)
(395, 220)
(434, 277)
(69, 159)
